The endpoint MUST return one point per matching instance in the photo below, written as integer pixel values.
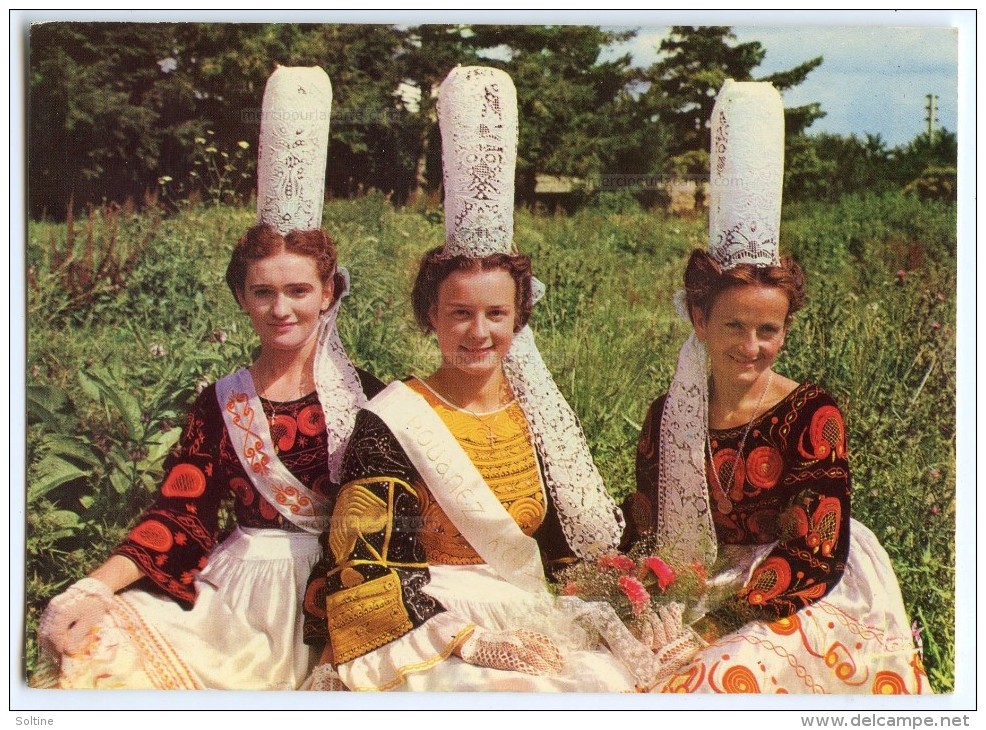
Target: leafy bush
(935, 183)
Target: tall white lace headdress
(477, 113)
(745, 183)
(294, 144)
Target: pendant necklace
(489, 429)
(723, 503)
(263, 385)
(505, 398)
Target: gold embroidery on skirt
(366, 617)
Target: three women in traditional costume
(460, 492)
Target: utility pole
(932, 119)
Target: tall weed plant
(108, 385)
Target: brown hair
(262, 241)
(435, 268)
(705, 281)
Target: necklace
(489, 429)
(262, 384)
(723, 503)
(505, 397)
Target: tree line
(135, 111)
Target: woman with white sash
(462, 487)
(171, 608)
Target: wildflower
(934, 473)
(663, 572)
(243, 145)
(200, 140)
(936, 326)
(201, 385)
(219, 336)
(700, 573)
(941, 297)
(164, 180)
(158, 350)
(570, 589)
(211, 150)
(900, 275)
(615, 561)
(916, 630)
(935, 510)
(635, 591)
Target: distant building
(681, 195)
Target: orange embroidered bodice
(499, 444)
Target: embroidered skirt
(476, 595)
(244, 632)
(855, 640)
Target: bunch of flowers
(634, 582)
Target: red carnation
(635, 591)
(616, 562)
(665, 573)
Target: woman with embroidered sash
(744, 464)
(171, 609)
(461, 488)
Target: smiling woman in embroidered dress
(740, 463)
(463, 488)
(174, 607)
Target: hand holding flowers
(652, 596)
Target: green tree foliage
(122, 110)
(117, 107)
(697, 61)
(924, 151)
(829, 166)
(577, 115)
(105, 116)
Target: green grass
(883, 344)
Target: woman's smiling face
(743, 332)
(284, 296)
(474, 319)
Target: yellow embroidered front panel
(500, 446)
(366, 617)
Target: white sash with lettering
(249, 433)
(459, 488)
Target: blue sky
(873, 78)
